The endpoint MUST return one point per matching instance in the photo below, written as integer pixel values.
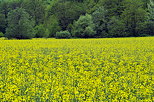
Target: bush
(63, 34)
(41, 31)
(1, 34)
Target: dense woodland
(24, 19)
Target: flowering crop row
(77, 70)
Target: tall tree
(52, 24)
(100, 21)
(2, 23)
(116, 27)
(134, 16)
(19, 25)
(5, 7)
(145, 2)
(114, 7)
(150, 17)
(84, 27)
(66, 12)
(36, 9)
(151, 10)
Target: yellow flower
(83, 70)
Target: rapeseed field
(77, 70)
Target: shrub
(63, 34)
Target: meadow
(77, 70)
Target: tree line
(24, 19)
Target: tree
(36, 9)
(145, 2)
(84, 27)
(134, 17)
(52, 24)
(5, 7)
(150, 24)
(116, 28)
(66, 12)
(2, 23)
(151, 10)
(20, 25)
(114, 7)
(100, 20)
(41, 31)
(110, 17)
(90, 6)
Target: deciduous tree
(84, 27)
(20, 25)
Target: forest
(26, 19)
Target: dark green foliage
(150, 28)
(63, 35)
(84, 27)
(90, 6)
(66, 12)
(100, 21)
(52, 24)
(2, 22)
(114, 7)
(134, 16)
(1, 34)
(5, 7)
(110, 18)
(150, 21)
(116, 28)
(151, 10)
(41, 31)
(36, 9)
(19, 25)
